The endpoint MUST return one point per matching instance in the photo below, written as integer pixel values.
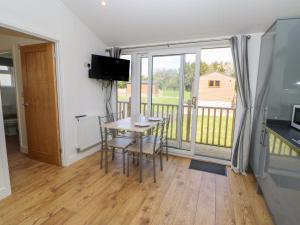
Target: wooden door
(40, 102)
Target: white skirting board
(88, 132)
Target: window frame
(8, 72)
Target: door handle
(194, 102)
(25, 104)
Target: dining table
(139, 125)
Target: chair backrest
(166, 127)
(103, 120)
(117, 116)
(159, 132)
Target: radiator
(88, 132)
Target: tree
(167, 79)
(203, 68)
(189, 72)
(121, 84)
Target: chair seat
(147, 148)
(120, 142)
(150, 138)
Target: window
(6, 78)
(214, 83)
(211, 83)
(4, 68)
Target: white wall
(4, 174)
(78, 94)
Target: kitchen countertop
(286, 131)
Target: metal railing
(215, 125)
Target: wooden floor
(83, 194)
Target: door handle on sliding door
(194, 102)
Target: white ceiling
(130, 22)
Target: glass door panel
(216, 104)
(198, 91)
(166, 91)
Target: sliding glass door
(166, 89)
(197, 89)
(216, 104)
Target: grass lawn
(209, 133)
(165, 97)
(218, 132)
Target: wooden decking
(83, 194)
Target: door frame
(181, 53)
(5, 187)
(175, 50)
(59, 98)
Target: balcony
(214, 130)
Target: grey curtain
(241, 149)
(116, 53)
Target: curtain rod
(168, 44)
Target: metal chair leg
(167, 150)
(133, 158)
(106, 162)
(101, 158)
(161, 160)
(128, 164)
(113, 154)
(123, 153)
(154, 169)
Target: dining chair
(165, 138)
(151, 149)
(124, 134)
(117, 116)
(111, 142)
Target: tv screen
(108, 68)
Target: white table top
(128, 124)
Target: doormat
(208, 167)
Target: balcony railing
(278, 146)
(215, 125)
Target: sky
(173, 62)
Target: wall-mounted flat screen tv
(108, 68)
